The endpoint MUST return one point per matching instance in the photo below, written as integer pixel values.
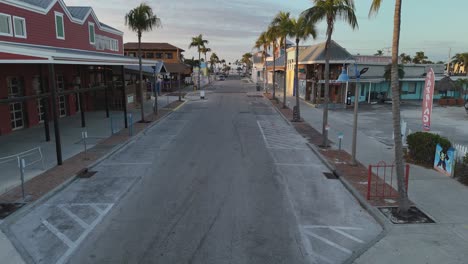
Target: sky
(232, 26)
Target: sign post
(428, 100)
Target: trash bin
(258, 88)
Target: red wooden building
(57, 57)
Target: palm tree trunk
(297, 118)
(199, 67)
(284, 77)
(327, 87)
(264, 69)
(274, 69)
(142, 105)
(403, 203)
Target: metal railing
(24, 155)
(381, 179)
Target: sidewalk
(440, 197)
(98, 128)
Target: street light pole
(355, 122)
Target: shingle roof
(38, 3)
(317, 53)
(151, 46)
(177, 68)
(278, 63)
(79, 12)
(107, 26)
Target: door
(62, 104)
(15, 89)
(16, 116)
(40, 110)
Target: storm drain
(330, 176)
(7, 209)
(86, 174)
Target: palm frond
(375, 7)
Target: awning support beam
(124, 97)
(45, 102)
(52, 85)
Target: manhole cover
(7, 209)
(415, 216)
(85, 174)
(330, 176)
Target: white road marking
(338, 227)
(82, 223)
(263, 134)
(347, 235)
(328, 242)
(72, 248)
(58, 234)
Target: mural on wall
(444, 160)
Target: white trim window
(59, 26)
(92, 33)
(19, 25)
(6, 28)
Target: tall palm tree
(247, 60)
(283, 22)
(262, 41)
(419, 58)
(405, 59)
(301, 29)
(379, 53)
(142, 19)
(272, 35)
(199, 43)
(330, 11)
(213, 60)
(403, 202)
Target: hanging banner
(428, 99)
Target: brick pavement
(54, 177)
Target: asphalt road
(221, 180)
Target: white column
(370, 89)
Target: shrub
(422, 146)
(461, 170)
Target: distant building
(169, 54)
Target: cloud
(230, 26)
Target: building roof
(446, 84)
(177, 68)
(38, 3)
(79, 12)
(316, 53)
(151, 46)
(280, 62)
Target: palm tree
(388, 72)
(301, 29)
(379, 53)
(247, 60)
(142, 19)
(405, 59)
(283, 22)
(403, 202)
(272, 35)
(263, 41)
(419, 58)
(330, 11)
(462, 60)
(199, 43)
(213, 60)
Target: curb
(279, 112)
(29, 207)
(379, 218)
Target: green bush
(422, 146)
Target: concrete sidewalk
(442, 198)
(98, 128)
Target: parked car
(221, 78)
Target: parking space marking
(58, 234)
(74, 217)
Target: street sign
(340, 135)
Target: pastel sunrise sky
(232, 27)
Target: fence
(461, 152)
(380, 181)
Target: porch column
(81, 99)
(370, 89)
(45, 102)
(106, 97)
(53, 90)
(124, 97)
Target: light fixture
(343, 76)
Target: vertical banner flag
(428, 99)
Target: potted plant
(452, 101)
(443, 100)
(460, 101)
